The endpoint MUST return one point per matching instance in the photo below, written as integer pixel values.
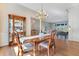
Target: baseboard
(4, 44)
(74, 40)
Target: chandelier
(41, 14)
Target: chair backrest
(53, 34)
(52, 39)
(19, 45)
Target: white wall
(16, 9)
(74, 24)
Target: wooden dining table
(35, 40)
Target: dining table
(35, 40)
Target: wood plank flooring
(71, 49)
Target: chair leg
(39, 50)
(20, 52)
(54, 49)
(48, 52)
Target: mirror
(46, 27)
(35, 26)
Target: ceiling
(56, 11)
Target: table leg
(35, 49)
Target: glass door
(16, 25)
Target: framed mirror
(35, 26)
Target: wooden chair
(49, 43)
(22, 47)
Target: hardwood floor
(72, 49)
(6, 51)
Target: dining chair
(22, 47)
(49, 43)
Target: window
(58, 24)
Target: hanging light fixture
(41, 15)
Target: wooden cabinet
(16, 25)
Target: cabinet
(16, 25)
